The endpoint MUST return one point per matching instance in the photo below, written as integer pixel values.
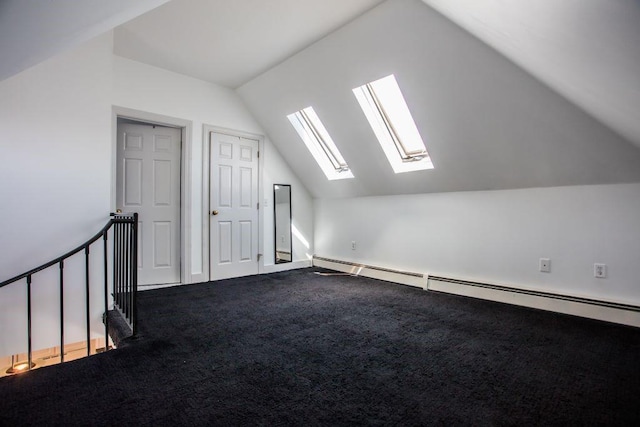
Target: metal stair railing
(124, 280)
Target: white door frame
(185, 173)
(206, 179)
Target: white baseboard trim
(196, 278)
(273, 268)
(390, 275)
(608, 311)
(142, 288)
(267, 269)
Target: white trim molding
(273, 268)
(206, 169)
(185, 174)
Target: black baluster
(61, 311)
(106, 293)
(117, 252)
(134, 320)
(29, 321)
(86, 263)
(122, 268)
(116, 263)
(130, 274)
(127, 261)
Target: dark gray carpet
(296, 348)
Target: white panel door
(148, 182)
(233, 206)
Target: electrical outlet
(545, 265)
(600, 271)
(353, 245)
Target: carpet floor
(298, 348)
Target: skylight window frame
(405, 154)
(317, 139)
(400, 158)
(334, 156)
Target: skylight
(389, 117)
(320, 144)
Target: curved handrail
(114, 220)
(124, 280)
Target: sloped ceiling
(514, 94)
(587, 50)
(486, 122)
(34, 30)
(230, 42)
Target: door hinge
(258, 154)
(259, 256)
(258, 205)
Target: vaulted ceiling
(487, 122)
(34, 30)
(587, 50)
(506, 94)
(229, 42)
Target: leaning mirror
(282, 222)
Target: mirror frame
(277, 260)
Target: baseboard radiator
(608, 311)
(390, 275)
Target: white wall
(278, 172)
(496, 236)
(56, 174)
(143, 87)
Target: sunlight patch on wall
(299, 236)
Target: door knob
(214, 212)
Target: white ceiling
(34, 30)
(230, 42)
(587, 50)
